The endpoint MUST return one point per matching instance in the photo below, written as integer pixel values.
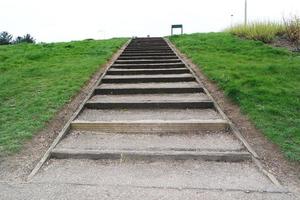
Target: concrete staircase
(151, 130)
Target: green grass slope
(37, 80)
(263, 80)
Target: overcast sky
(65, 20)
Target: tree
(5, 38)
(28, 38)
(25, 39)
(18, 40)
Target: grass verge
(263, 80)
(37, 80)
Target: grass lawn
(37, 80)
(263, 80)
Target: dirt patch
(272, 159)
(17, 167)
(285, 43)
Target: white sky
(65, 20)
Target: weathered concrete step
(149, 115)
(147, 57)
(149, 120)
(146, 54)
(147, 78)
(220, 141)
(148, 51)
(150, 105)
(114, 71)
(149, 88)
(146, 66)
(178, 85)
(150, 155)
(147, 47)
(119, 61)
(144, 98)
(174, 90)
(155, 126)
(147, 101)
(147, 43)
(161, 174)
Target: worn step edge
(150, 105)
(147, 80)
(149, 51)
(148, 71)
(158, 126)
(147, 57)
(147, 54)
(147, 66)
(116, 91)
(145, 47)
(151, 155)
(163, 65)
(141, 61)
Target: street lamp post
(246, 12)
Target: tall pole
(246, 12)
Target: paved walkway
(150, 130)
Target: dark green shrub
(5, 38)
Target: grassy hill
(37, 80)
(263, 80)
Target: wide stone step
(148, 88)
(147, 78)
(220, 141)
(142, 61)
(149, 120)
(149, 65)
(144, 98)
(114, 71)
(149, 115)
(146, 54)
(147, 57)
(145, 47)
(150, 155)
(160, 174)
(148, 51)
(145, 101)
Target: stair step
(148, 51)
(149, 65)
(150, 155)
(149, 115)
(155, 126)
(119, 61)
(149, 120)
(147, 57)
(148, 88)
(145, 47)
(220, 141)
(146, 54)
(147, 78)
(114, 71)
(146, 98)
(145, 101)
(149, 105)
